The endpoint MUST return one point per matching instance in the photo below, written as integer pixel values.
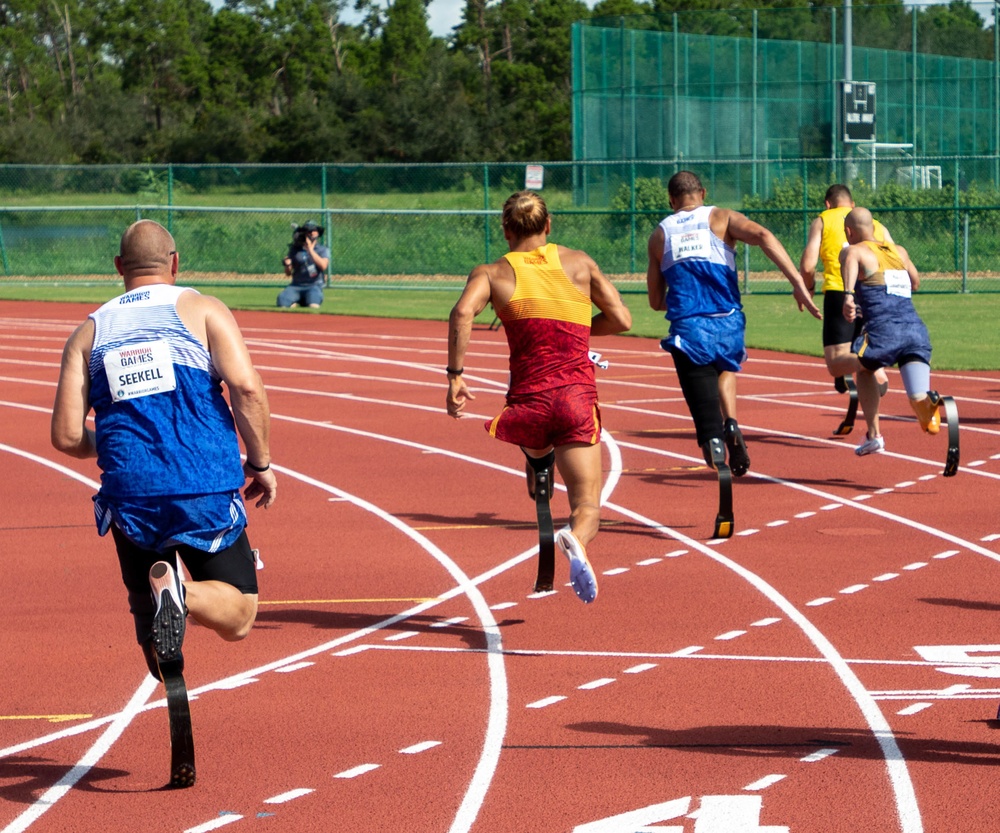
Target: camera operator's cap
(309, 225)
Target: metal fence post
(956, 207)
(965, 254)
(631, 209)
(170, 198)
(3, 252)
(486, 211)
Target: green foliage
(652, 204)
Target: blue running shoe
(168, 621)
(581, 574)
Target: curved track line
(496, 726)
(829, 496)
(496, 722)
(906, 802)
(899, 776)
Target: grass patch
(963, 327)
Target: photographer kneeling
(306, 263)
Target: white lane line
(854, 588)
(545, 701)
(503, 606)
(686, 652)
(747, 532)
(831, 506)
(886, 577)
(420, 747)
(995, 536)
(764, 782)
(820, 601)
(778, 523)
(861, 497)
(615, 571)
(818, 756)
(675, 554)
(916, 707)
(215, 824)
(398, 637)
(805, 514)
(596, 683)
(905, 484)
(638, 669)
(454, 620)
(291, 795)
(762, 623)
(945, 554)
(916, 565)
(298, 666)
(118, 725)
(354, 772)
(724, 637)
(649, 562)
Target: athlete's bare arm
(732, 225)
(473, 300)
(810, 255)
(656, 285)
(69, 431)
(911, 270)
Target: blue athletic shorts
(710, 340)
(205, 522)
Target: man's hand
(458, 394)
(264, 486)
(850, 308)
(804, 299)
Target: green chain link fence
(426, 226)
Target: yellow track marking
(52, 718)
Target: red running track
(831, 667)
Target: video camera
(300, 233)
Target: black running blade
(847, 425)
(182, 772)
(546, 533)
(951, 415)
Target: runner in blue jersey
(692, 275)
(150, 364)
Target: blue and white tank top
(698, 267)
(162, 424)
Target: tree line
(126, 81)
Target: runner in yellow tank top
(825, 242)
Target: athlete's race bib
(139, 370)
(691, 244)
(897, 282)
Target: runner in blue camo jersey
(151, 364)
(692, 275)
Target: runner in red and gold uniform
(543, 293)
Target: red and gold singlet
(547, 322)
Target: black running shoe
(168, 621)
(739, 459)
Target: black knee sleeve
(700, 386)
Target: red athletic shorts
(558, 416)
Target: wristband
(452, 372)
(258, 469)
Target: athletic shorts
(836, 328)
(206, 522)
(234, 565)
(710, 340)
(885, 346)
(555, 417)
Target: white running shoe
(581, 574)
(871, 445)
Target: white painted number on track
(970, 660)
(715, 814)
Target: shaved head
(147, 248)
(859, 221)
